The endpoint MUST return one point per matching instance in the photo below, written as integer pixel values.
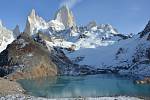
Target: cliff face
(65, 16)
(146, 32)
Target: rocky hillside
(29, 57)
(24, 58)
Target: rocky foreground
(23, 97)
(9, 87)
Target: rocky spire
(146, 30)
(34, 23)
(16, 31)
(65, 16)
(33, 13)
(31, 17)
(91, 24)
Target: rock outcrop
(25, 58)
(146, 31)
(16, 31)
(65, 16)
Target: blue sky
(128, 16)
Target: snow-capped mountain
(63, 20)
(102, 46)
(131, 56)
(6, 37)
(63, 31)
(34, 23)
(92, 47)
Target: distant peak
(91, 24)
(1, 24)
(33, 13)
(65, 16)
(65, 7)
(147, 27)
(17, 27)
(16, 31)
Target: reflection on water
(95, 85)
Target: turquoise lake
(84, 86)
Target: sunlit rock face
(34, 23)
(65, 16)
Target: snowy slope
(127, 56)
(85, 37)
(6, 37)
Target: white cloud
(70, 3)
(135, 8)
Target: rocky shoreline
(10, 87)
(27, 97)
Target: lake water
(85, 86)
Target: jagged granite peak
(146, 30)
(65, 16)
(16, 31)
(34, 23)
(91, 24)
(33, 13)
(108, 28)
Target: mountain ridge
(80, 50)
